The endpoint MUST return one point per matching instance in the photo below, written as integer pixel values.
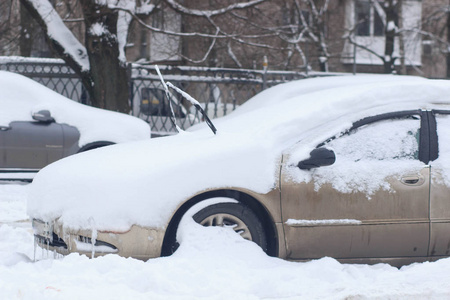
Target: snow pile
(13, 202)
(21, 97)
(149, 177)
(282, 92)
(211, 263)
(158, 175)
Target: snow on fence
(219, 90)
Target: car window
(368, 157)
(383, 140)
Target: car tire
(237, 216)
(94, 145)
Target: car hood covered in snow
(144, 182)
(21, 97)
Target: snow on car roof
(21, 97)
(144, 182)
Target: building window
(366, 22)
(370, 18)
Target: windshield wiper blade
(166, 89)
(189, 98)
(196, 104)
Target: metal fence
(218, 90)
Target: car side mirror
(43, 116)
(319, 157)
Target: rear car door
(373, 202)
(440, 184)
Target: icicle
(93, 241)
(35, 248)
(48, 249)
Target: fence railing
(219, 90)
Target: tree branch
(210, 13)
(62, 40)
(205, 56)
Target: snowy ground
(212, 263)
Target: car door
(440, 184)
(373, 202)
(30, 145)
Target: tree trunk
(323, 54)
(390, 32)
(106, 81)
(109, 75)
(56, 48)
(26, 32)
(401, 39)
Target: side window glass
(369, 158)
(384, 140)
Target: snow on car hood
(144, 182)
(137, 183)
(21, 97)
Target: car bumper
(138, 242)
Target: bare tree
(315, 28)
(436, 33)
(280, 30)
(9, 23)
(387, 12)
(100, 59)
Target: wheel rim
(228, 221)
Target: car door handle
(411, 179)
(4, 128)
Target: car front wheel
(236, 216)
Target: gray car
(39, 126)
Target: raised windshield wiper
(186, 96)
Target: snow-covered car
(352, 167)
(39, 126)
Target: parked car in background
(154, 108)
(354, 167)
(39, 126)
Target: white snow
(184, 94)
(58, 31)
(21, 97)
(391, 26)
(322, 222)
(13, 202)
(211, 263)
(442, 163)
(123, 24)
(160, 174)
(365, 158)
(98, 29)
